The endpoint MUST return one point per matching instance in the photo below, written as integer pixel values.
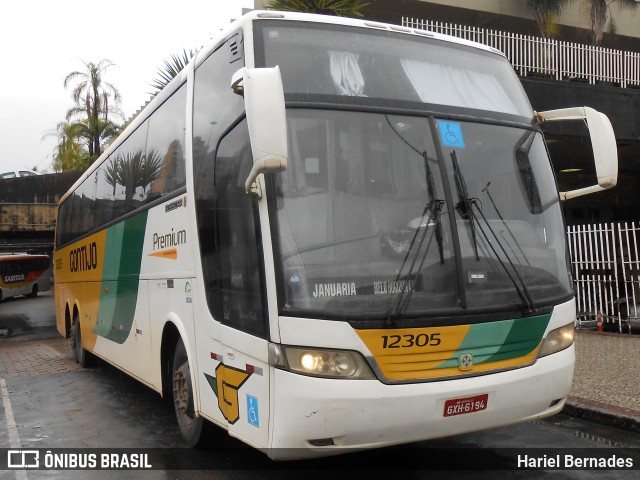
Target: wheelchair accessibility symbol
(252, 411)
(451, 134)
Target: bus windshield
(387, 68)
(370, 219)
(446, 209)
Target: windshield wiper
(464, 207)
(515, 240)
(467, 206)
(431, 186)
(406, 281)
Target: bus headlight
(321, 362)
(557, 340)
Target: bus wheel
(84, 358)
(34, 291)
(190, 425)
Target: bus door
(236, 295)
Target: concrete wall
(46, 188)
(28, 207)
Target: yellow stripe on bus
(79, 268)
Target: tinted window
(165, 147)
(380, 66)
(215, 109)
(149, 164)
(236, 293)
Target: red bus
(23, 274)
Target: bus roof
(335, 20)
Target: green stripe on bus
(119, 292)
(504, 340)
(524, 337)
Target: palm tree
(150, 169)
(599, 12)
(92, 96)
(340, 8)
(135, 169)
(546, 12)
(171, 69)
(112, 174)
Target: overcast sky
(41, 41)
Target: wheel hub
(181, 389)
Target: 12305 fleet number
(409, 340)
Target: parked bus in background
(329, 234)
(23, 274)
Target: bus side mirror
(603, 142)
(266, 118)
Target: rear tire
(191, 426)
(84, 358)
(34, 291)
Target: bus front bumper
(315, 417)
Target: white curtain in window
(449, 85)
(346, 74)
(296, 184)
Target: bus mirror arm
(603, 142)
(267, 164)
(266, 119)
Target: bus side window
(215, 108)
(165, 148)
(238, 295)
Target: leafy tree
(340, 8)
(546, 13)
(599, 11)
(171, 68)
(69, 153)
(95, 99)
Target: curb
(603, 413)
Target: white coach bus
(327, 235)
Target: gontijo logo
(84, 258)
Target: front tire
(191, 426)
(34, 291)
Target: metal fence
(548, 58)
(606, 273)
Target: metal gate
(606, 267)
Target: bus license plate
(460, 406)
